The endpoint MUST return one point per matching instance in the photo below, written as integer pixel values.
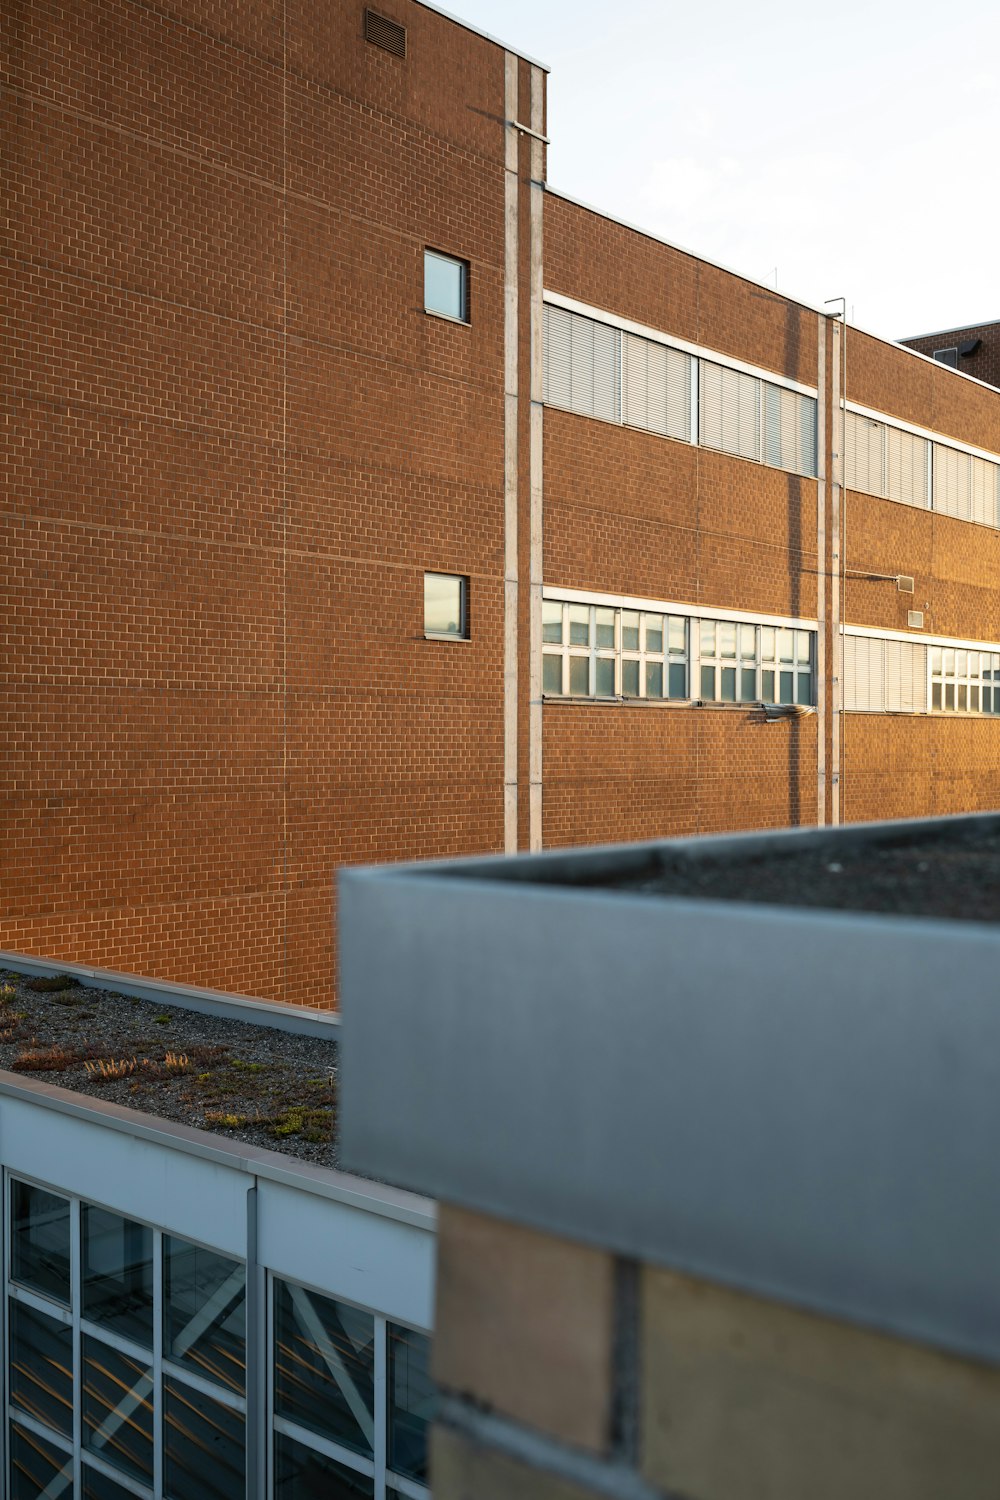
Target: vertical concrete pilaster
(510, 452)
(537, 190)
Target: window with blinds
(985, 492)
(884, 676)
(898, 465)
(600, 371)
(952, 482)
(728, 410)
(864, 459)
(789, 430)
(907, 467)
(582, 365)
(656, 387)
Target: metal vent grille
(915, 619)
(385, 33)
(904, 583)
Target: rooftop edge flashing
(486, 35)
(940, 333)
(660, 239)
(295, 1018)
(326, 1182)
(534, 867)
(565, 1070)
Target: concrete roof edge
(940, 333)
(258, 1012)
(326, 1182)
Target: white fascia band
(673, 607)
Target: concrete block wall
(567, 1372)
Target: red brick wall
(633, 513)
(897, 766)
(984, 364)
(236, 444)
(615, 772)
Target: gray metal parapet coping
(296, 1018)
(802, 1103)
(324, 1182)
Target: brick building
(368, 499)
(974, 350)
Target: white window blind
(657, 387)
(952, 482)
(789, 430)
(582, 365)
(864, 673)
(882, 676)
(905, 677)
(729, 410)
(907, 465)
(865, 468)
(985, 477)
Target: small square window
(446, 286)
(446, 611)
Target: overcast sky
(846, 151)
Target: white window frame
(765, 630)
(981, 676)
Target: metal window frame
(152, 1357)
(970, 680)
(377, 1467)
(696, 357)
(463, 603)
(464, 279)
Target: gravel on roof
(956, 877)
(247, 1082)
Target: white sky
(851, 149)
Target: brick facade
(236, 441)
(982, 362)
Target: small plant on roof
(230, 1122)
(48, 984)
(177, 1062)
(107, 1069)
(7, 993)
(38, 1059)
(164, 1019)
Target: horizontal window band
(673, 607)
(698, 351)
(922, 432)
(918, 638)
(757, 705)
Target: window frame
(463, 268)
(692, 657)
(980, 677)
(462, 634)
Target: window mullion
(157, 1364)
(381, 1406)
(76, 1304)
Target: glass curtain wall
(126, 1371)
